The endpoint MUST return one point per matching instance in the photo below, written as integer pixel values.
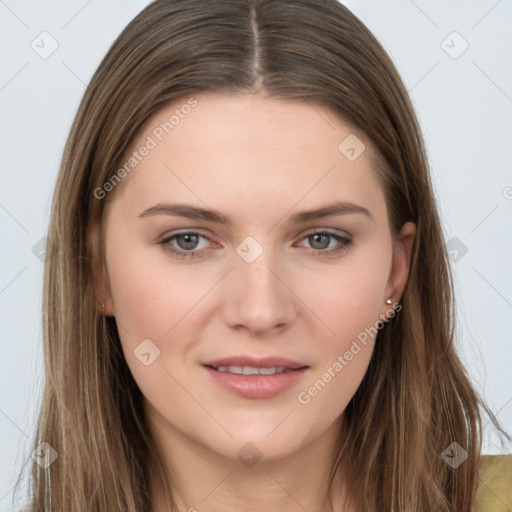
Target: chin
(256, 441)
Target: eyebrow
(193, 212)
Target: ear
(401, 262)
(100, 276)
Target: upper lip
(255, 362)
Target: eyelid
(330, 231)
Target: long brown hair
(416, 397)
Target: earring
(388, 301)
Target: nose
(257, 296)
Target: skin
(258, 160)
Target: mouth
(250, 370)
(255, 378)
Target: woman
(205, 348)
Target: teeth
(250, 370)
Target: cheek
(348, 303)
(150, 296)
(346, 349)
(347, 299)
(153, 301)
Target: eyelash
(346, 243)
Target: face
(202, 303)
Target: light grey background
(464, 103)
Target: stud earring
(388, 301)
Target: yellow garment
(494, 492)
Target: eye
(322, 239)
(187, 243)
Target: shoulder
(494, 492)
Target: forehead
(251, 145)
(247, 121)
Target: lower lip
(257, 386)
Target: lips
(255, 378)
(254, 362)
